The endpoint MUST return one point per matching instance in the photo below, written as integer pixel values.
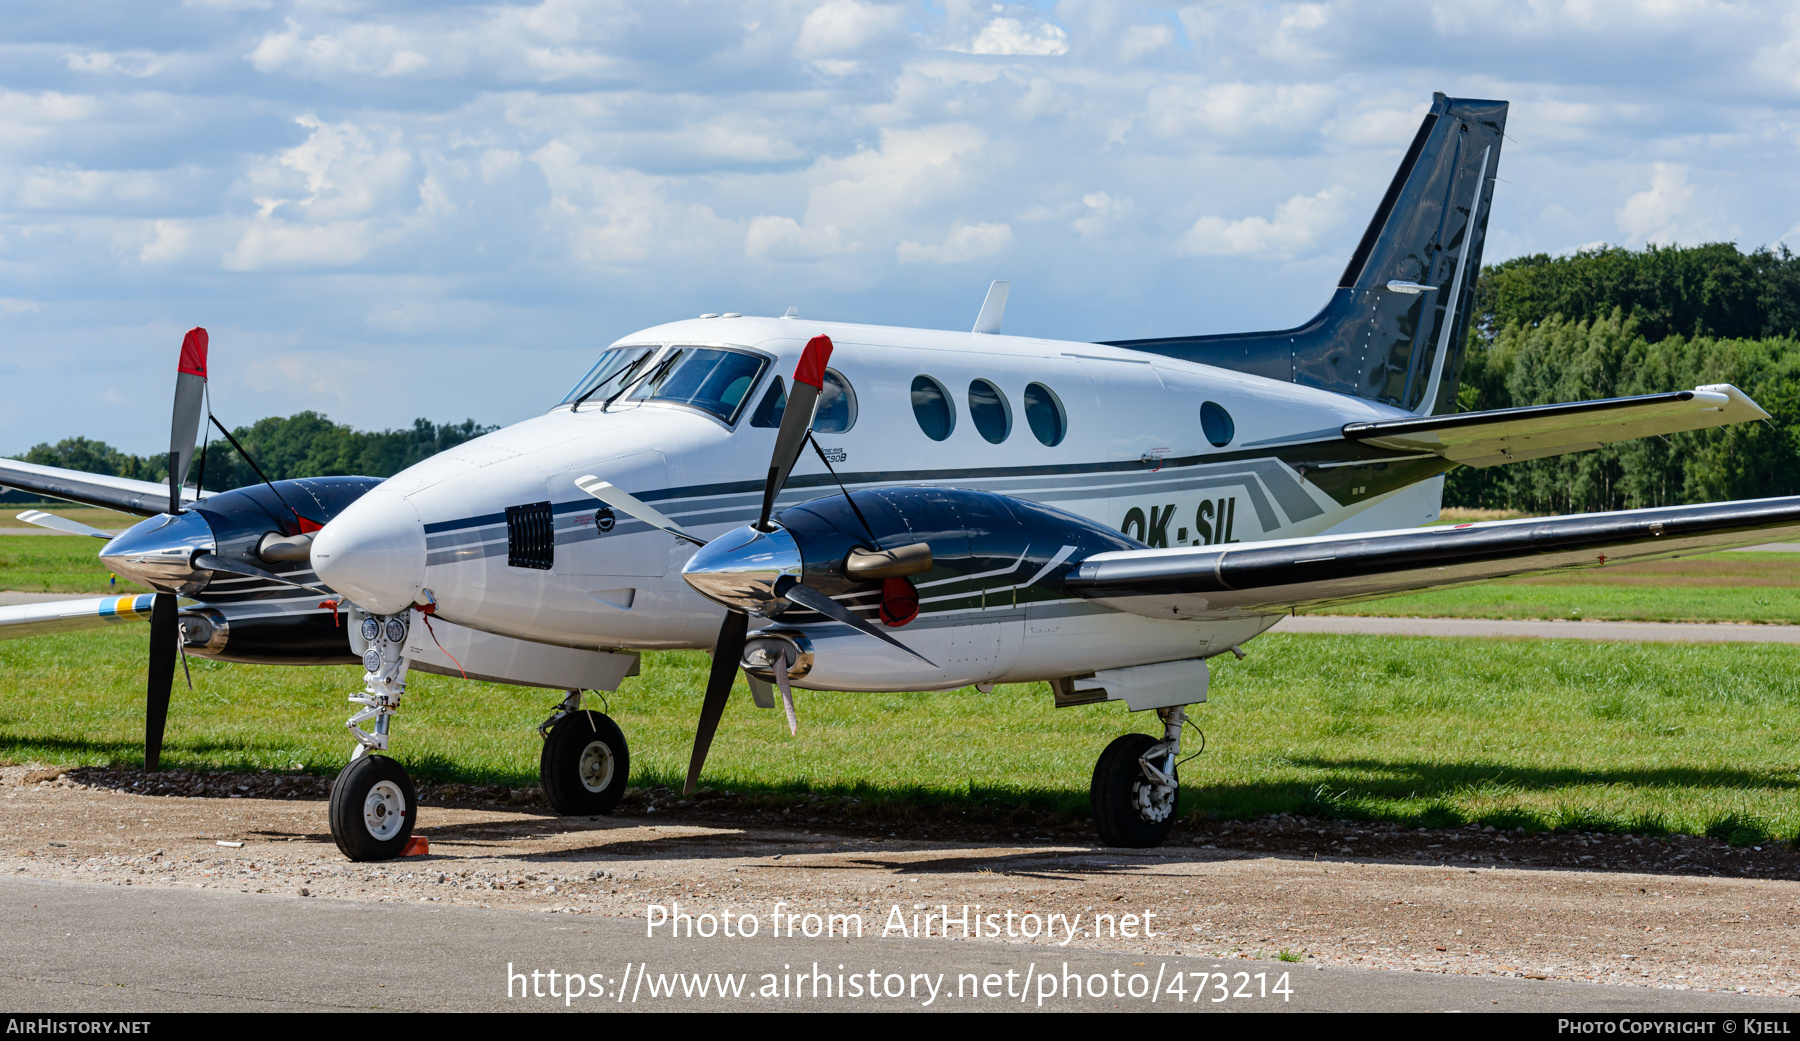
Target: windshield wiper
(661, 371)
(626, 372)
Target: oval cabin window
(1044, 412)
(1216, 424)
(989, 410)
(932, 408)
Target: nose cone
(159, 552)
(741, 568)
(374, 553)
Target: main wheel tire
(372, 809)
(584, 765)
(1116, 797)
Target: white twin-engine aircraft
(860, 508)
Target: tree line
(303, 445)
(1613, 322)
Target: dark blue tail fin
(1404, 299)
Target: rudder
(1404, 299)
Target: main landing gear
(585, 763)
(1135, 785)
(373, 807)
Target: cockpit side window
(614, 370)
(774, 403)
(714, 379)
(834, 414)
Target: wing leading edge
(1278, 576)
(144, 498)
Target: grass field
(1640, 737)
(1646, 737)
(105, 520)
(57, 564)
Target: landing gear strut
(373, 807)
(1135, 786)
(585, 763)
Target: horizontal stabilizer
(1512, 435)
(144, 498)
(1274, 577)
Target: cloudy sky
(383, 211)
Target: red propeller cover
(193, 353)
(811, 370)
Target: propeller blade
(796, 421)
(52, 521)
(787, 694)
(214, 562)
(165, 631)
(184, 427)
(612, 495)
(810, 598)
(727, 653)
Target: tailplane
(1395, 328)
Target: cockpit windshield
(710, 378)
(615, 369)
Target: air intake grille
(530, 536)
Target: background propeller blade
(613, 496)
(52, 521)
(184, 427)
(810, 598)
(796, 421)
(165, 631)
(727, 653)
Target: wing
(1274, 577)
(1511, 435)
(57, 616)
(144, 498)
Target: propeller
(55, 523)
(165, 623)
(728, 649)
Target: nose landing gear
(373, 806)
(1135, 786)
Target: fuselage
(497, 535)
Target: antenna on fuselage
(993, 308)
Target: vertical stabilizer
(1395, 328)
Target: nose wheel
(372, 809)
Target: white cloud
(15, 305)
(614, 217)
(840, 26)
(1104, 213)
(965, 242)
(1653, 214)
(370, 50)
(872, 197)
(1140, 40)
(1296, 225)
(169, 241)
(136, 64)
(276, 244)
(1013, 37)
